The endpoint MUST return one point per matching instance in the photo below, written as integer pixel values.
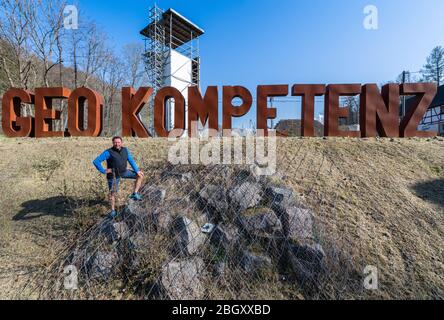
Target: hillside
(376, 202)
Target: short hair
(117, 137)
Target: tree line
(36, 50)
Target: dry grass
(380, 201)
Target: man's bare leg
(112, 200)
(138, 184)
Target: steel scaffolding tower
(167, 34)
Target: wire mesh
(215, 232)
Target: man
(116, 167)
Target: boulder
(121, 230)
(154, 194)
(182, 279)
(180, 176)
(297, 223)
(246, 195)
(225, 236)
(219, 269)
(278, 195)
(215, 200)
(113, 231)
(188, 236)
(254, 264)
(263, 223)
(307, 263)
(102, 264)
(138, 246)
(162, 220)
(136, 215)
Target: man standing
(116, 168)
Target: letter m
(203, 109)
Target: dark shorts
(113, 184)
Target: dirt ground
(381, 201)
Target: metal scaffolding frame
(167, 31)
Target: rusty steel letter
(308, 92)
(132, 103)
(263, 112)
(45, 114)
(379, 112)
(13, 124)
(425, 92)
(229, 111)
(160, 101)
(333, 112)
(203, 109)
(76, 113)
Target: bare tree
(134, 64)
(15, 43)
(352, 103)
(36, 50)
(111, 79)
(93, 55)
(45, 21)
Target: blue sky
(251, 42)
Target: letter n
(379, 112)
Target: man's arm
(98, 161)
(132, 162)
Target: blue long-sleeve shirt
(106, 155)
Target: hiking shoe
(113, 214)
(136, 196)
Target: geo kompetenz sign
(379, 110)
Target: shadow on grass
(55, 206)
(431, 191)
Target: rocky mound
(203, 232)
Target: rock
(307, 263)
(214, 197)
(121, 230)
(113, 231)
(252, 174)
(225, 236)
(102, 264)
(187, 235)
(219, 269)
(260, 172)
(246, 195)
(138, 246)
(297, 222)
(136, 215)
(153, 194)
(264, 223)
(182, 280)
(278, 195)
(162, 220)
(181, 176)
(254, 264)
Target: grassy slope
(381, 203)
